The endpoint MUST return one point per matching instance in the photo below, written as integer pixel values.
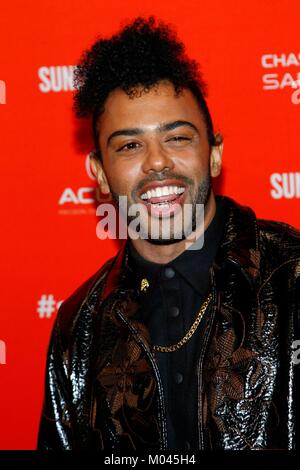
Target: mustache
(160, 177)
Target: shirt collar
(191, 265)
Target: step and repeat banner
(250, 57)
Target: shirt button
(169, 273)
(174, 312)
(178, 378)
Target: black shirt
(169, 305)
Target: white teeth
(179, 190)
(162, 191)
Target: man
(167, 346)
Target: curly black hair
(142, 54)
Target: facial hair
(201, 197)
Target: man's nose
(157, 159)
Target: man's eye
(129, 146)
(179, 138)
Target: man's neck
(164, 254)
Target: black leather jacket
(103, 387)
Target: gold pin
(144, 284)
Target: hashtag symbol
(46, 306)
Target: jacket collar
(240, 240)
(116, 272)
(239, 246)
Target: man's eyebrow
(126, 132)
(168, 126)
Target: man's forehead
(139, 95)
(149, 109)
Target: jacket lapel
(240, 363)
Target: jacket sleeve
(55, 431)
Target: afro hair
(141, 55)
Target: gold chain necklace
(189, 334)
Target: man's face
(155, 152)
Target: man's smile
(163, 198)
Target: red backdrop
(250, 57)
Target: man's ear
(97, 169)
(216, 156)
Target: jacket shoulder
(279, 239)
(72, 304)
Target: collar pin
(144, 285)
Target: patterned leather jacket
(103, 387)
